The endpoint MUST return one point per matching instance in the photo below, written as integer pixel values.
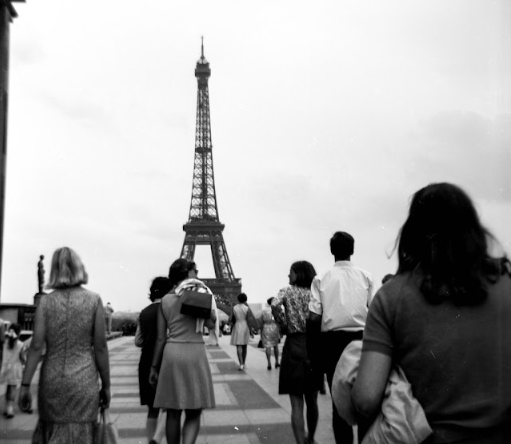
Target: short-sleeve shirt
(457, 358)
(342, 297)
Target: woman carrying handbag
(184, 380)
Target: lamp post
(7, 13)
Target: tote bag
(196, 304)
(106, 431)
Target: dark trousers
(333, 344)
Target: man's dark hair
(342, 245)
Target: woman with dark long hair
(291, 310)
(445, 320)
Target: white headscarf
(201, 287)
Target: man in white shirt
(340, 301)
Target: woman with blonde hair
(70, 321)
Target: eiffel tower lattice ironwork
(203, 226)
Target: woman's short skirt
(240, 333)
(184, 381)
(296, 374)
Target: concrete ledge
(113, 335)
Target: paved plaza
(248, 410)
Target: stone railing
(22, 314)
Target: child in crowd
(12, 367)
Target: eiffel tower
(203, 226)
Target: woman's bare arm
(101, 353)
(161, 327)
(373, 374)
(36, 347)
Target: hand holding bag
(25, 400)
(106, 431)
(196, 304)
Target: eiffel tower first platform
(203, 226)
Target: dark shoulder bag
(196, 304)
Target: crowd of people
(441, 323)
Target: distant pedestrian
(4, 325)
(184, 379)
(240, 335)
(340, 301)
(12, 367)
(71, 321)
(145, 338)
(270, 336)
(108, 318)
(297, 379)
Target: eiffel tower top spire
(202, 49)
(202, 71)
(203, 206)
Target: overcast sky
(326, 116)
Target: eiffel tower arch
(203, 226)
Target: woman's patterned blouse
(291, 308)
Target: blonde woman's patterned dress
(68, 397)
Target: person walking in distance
(108, 318)
(340, 301)
(240, 335)
(270, 335)
(12, 367)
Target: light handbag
(196, 304)
(252, 322)
(106, 431)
